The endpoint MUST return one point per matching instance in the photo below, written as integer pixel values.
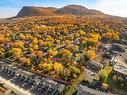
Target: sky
(9, 8)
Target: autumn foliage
(34, 41)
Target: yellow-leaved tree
(16, 52)
(58, 67)
(91, 54)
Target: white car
(1, 83)
(114, 60)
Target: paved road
(14, 88)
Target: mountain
(77, 10)
(35, 11)
(72, 10)
(67, 10)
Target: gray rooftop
(84, 90)
(95, 63)
(121, 69)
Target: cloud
(112, 7)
